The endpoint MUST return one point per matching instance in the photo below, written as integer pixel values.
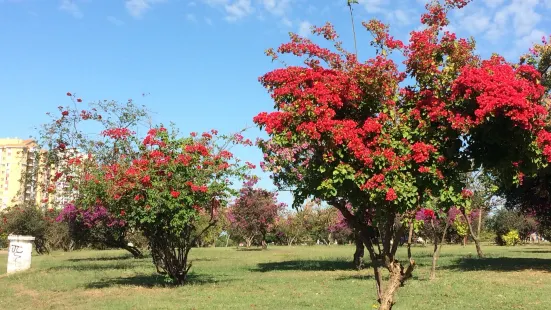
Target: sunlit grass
(316, 277)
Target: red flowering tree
(254, 213)
(167, 187)
(357, 133)
(533, 197)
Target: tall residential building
(25, 176)
(18, 171)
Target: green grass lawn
(316, 277)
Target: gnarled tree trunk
(136, 253)
(390, 233)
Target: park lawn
(317, 277)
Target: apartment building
(24, 176)
(18, 171)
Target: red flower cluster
(117, 133)
(467, 193)
(421, 152)
(391, 195)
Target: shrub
(511, 238)
(29, 220)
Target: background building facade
(19, 170)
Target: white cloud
(520, 14)
(285, 21)
(373, 6)
(191, 18)
(71, 7)
(137, 8)
(525, 42)
(304, 28)
(115, 21)
(192, 3)
(276, 7)
(208, 21)
(475, 23)
(238, 9)
(401, 16)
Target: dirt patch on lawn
(22, 290)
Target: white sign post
(19, 255)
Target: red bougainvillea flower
(175, 194)
(65, 113)
(391, 195)
(117, 133)
(428, 213)
(69, 94)
(466, 193)
(79, 100)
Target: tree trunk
(437, 248)
(359, 254)
(249, 241)
(477, 238)
(290, 241)
(464, 240)
(264, 244)
(410, 236)
(392, 230)
(471, 232)
(136, 253)
(396, 279)
(397, 273)
(228, 240)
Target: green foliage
(28, 220)
(504, 221)
(3, 240)
(211, 236)
(461, 226)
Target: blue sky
(199, 60)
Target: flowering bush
(166, 187)
(253, 214)
(95, 226)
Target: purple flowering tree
(96, 226)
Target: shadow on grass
(534, 251)
(100, 259)
(500, 264)
(305, 265)
(152, 280)
(359, 277)
(93, 267)
(245, 249)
